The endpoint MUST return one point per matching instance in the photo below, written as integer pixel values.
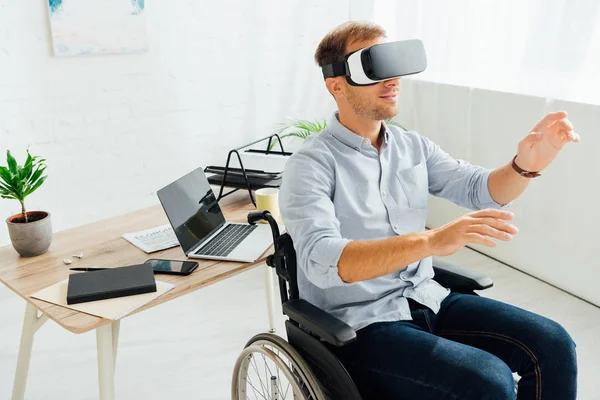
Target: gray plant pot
(32, 238)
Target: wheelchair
(303, 367)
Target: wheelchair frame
(310, 330)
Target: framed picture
(97, 26)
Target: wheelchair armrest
(458, 278)
(319, 322)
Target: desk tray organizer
(266, 171)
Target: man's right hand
(476, 227)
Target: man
(354, 200)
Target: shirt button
(403, 278)
(383, 193)
(366, 141)
(395, 227)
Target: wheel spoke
(287, 362)
(267, 381)
(279, 379)
(255, 390)
(286, 390)
(281, 361)
(258, 376)
(266, 366)
(279, 383)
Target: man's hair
(333, 46)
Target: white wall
(558, 214)
(116, 128)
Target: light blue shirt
(339, 188)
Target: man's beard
(364, 108)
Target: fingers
(563, 124)
(564, 128)
(490, 223)
(548, 119)
(499, 225)
(568, 136)
(562, 137)
(556, 125)
(480, 239)
(492, 213)
(487, 230)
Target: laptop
(201, 228)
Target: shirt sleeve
(309, 215)
(459, 181)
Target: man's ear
(335, 87)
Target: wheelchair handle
(256, 216)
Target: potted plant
(304, 128)
(30, 231)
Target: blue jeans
(466, 351)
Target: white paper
(272, 163)
(115, 308)
(153, 239)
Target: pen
(87, 269)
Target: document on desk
(153, 239)
(115, 308)
(272, 163)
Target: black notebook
(109, 283)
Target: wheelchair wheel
(269, 368)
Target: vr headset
(379, 62)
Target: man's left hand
(538, 149)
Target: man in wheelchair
(354, 200)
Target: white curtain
(548, 48)
(495, 68)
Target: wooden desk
(102, 245)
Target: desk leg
(116, 326)
(106, 363)
(29, 327)
(268, 273)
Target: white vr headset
(379, 62)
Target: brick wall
(115, 128)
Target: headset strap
(332, 70)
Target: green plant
(302, 128)
(17, 182)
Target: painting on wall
(97, 26)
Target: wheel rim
(270, 370)
(308, 384)
(265, 375)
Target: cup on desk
(267, 199)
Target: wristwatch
(522, 172)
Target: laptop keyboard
(226, 240)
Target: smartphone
(173, 267)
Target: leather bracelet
(522, 172)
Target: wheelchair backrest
(284, 261)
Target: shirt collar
(350, 138)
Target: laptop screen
(192, 208)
